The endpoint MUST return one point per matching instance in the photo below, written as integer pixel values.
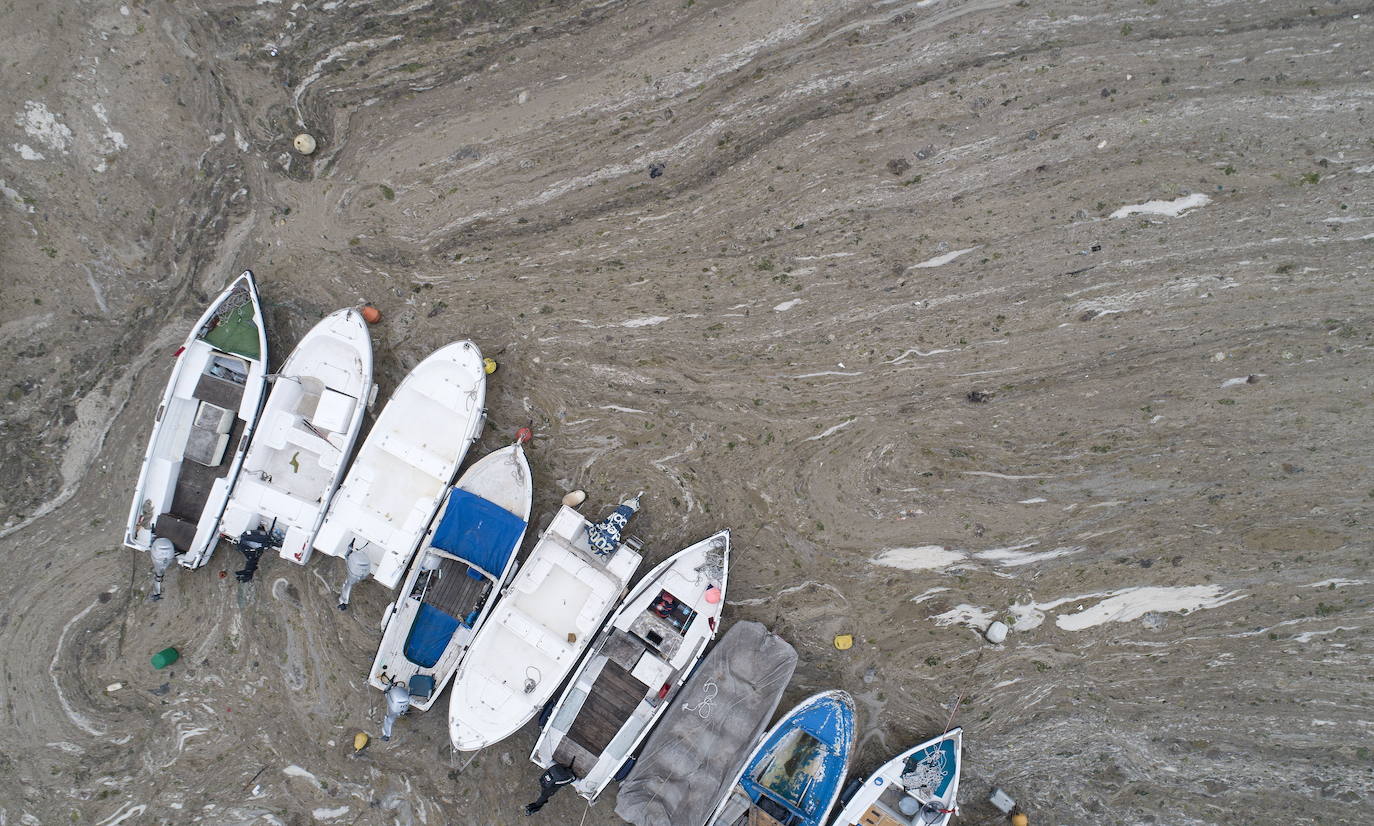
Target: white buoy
(112, 687)
(575, 498)
(996, 633)
(305, 144)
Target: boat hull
(796, 772)
(636, 665)
(203, 427)
(431, 641)
(407, 462)
(541, 626)
(304, 437)
(918, 787)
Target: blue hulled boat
(795, 773)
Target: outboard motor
(359, 568)
(604, 536)
(397, 703)
(163, 553)
(251, 544)
(550, 782)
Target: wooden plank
(609, 704)
(454, 592)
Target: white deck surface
(395, 485)
(308, 427)
(546, 618)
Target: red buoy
(523, 435)
(371, 314)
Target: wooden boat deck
(613, 697)
(454, 592)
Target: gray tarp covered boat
(714, 721)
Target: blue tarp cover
(429, 636)
(478, 532)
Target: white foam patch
(1172, 209)
(941, 260)
(42, 125)
(830, 430)
(1132, 603)
(922, 558)
(1307, 636)
(973, 616)
(1337, 583)
(124, 813)
(296, 771)
(329, 814)
(787, 305)
(928, 594)
(27, 152)
(1236, 382)
(647, 321)
(1014, 557)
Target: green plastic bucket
(165, 657)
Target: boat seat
(535, 575)
(536, 634)
(334, 411)
(416, 456)
(421, 685)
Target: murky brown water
(863, 213)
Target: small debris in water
(979, 396)
(656, 169)
(112, 687)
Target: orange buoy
(1020, 819)
(371, 314)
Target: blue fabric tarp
(478, 532)
(429, 636)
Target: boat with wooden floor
(795, 773)
(450, 590)
(542, 624)
(406, 464)
(304, 438)
(918, 787)
(202, 428)
(636, 665)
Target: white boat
(303, 440)
(918, 787)
(469, 553)
(202, 428)
(543, 622)
(636, 665)
(407, 462)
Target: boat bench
(416, 456)
(536, 634)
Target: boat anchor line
(702, 709)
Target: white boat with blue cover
(202, 428)
(636, 665)
(303, 440)
(406, 464)
(544, 621)
(796, 772)
(918, 787)
(450, 590)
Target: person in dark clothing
(550, 781)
